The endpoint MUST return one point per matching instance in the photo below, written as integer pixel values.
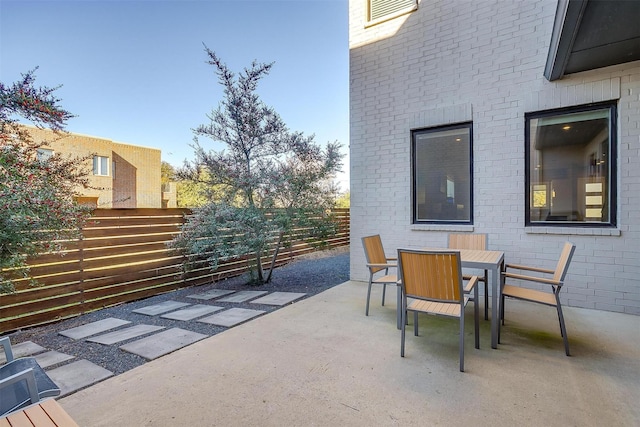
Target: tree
(194, 193)
(36, 189)
(344, 200)
(167, 173)
(266, 184)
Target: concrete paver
(192, 312)
(242, 296)
(125, 334)
(76, 375)
(27, 348)
(93, 328)
(163, 307)
(278, 298)
(51, 358)
(232, 317)
(162, 343)
(212, 294)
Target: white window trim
(97, 166)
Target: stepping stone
(232, 317)
(278, 298)
(77, 375)
(162, 343)
(163, 307)
(125, 334)
(51, 358)
(214, 293)
(27, 348)
(192, 312)
(242, 296)
(93, 328)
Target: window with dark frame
(442, 175)
(570, 166)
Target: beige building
(121, 175)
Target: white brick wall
(453, 61)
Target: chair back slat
(563, 263)
(431, 275)
(468, 241)
(374, 252)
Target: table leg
(495, 318)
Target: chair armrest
(532, 278)
(528, 268)
(473, 281)
(27, 375)
(6, 344)
(382, 265)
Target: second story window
(101, 165)
(442, 175)
(381, 10)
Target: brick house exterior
(124, 175)
(483, 64)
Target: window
(381, 10)
(101, 165)
(43, 154)
(570, 166)
(442, 174)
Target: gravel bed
(310, 274)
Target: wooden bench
(46, 413)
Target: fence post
(81, 267)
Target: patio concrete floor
(322, 362)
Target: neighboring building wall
(483, 61)
(169, 195)
(133, 179)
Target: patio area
(320, 361)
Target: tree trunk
(274, 257)
(260, 280)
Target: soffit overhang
(591, 34)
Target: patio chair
(542, 297)
(378, 262)
(22, 381)
(434, 280)
(473, 241)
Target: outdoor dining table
(492, 261)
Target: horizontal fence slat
(108, 241)
(129, 231)
(130, 213)
(124, 250)
(37, 293)
(69, 297)
(117, 222)
(40, 318)
(112, 292)
(122, 257)
(39, 271)
(131, 276)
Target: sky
(135, 72)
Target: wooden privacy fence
(122, 257)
